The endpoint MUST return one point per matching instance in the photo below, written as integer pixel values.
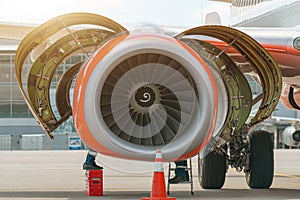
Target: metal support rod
(75, 39)
(225, 49)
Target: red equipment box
(94, 182)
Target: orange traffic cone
(158, 183)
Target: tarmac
(58, 175)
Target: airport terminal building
(16, 120)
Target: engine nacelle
(291, 136)
(139, 92)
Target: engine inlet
(139, 100)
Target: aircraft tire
(261, 160)
(213, 171)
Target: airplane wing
(137, 92)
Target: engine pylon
(158, 183)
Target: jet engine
(291, 136)
(137, 92)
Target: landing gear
(212, 169)
(253, 154)
(250, 153)
(260, 169)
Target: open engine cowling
(138, 93)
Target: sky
(162, 12)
